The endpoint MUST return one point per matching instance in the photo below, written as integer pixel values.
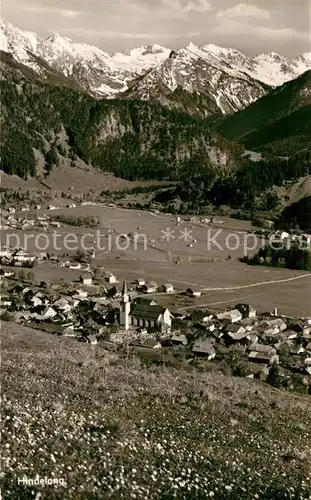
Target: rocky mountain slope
(201, 80)
(133, 139)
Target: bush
(6, 316)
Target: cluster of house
(28, 208)
(40, 222)
(122, 316)
(18, 257)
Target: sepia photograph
(155, 249)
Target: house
(5, 301)
(49, 313)
(42, 255)
(277, 323)
(168, 288)
(69, 331)
(62, 304)
(204, 348)
(308, 347)
(150, 287)
(150, 316)
(210, 326)
(36, 301)
(22, 256)
(289, 335)
(308, 362)
(235, 332)
(262, 348)
(13, 223)
(249, 323)
(6, 252)
(140, 314)
(29, 222)
(74, 265)
(86, 280)
(208, 318)
(194, 292)
(140, 282)
(91, 339)
(111, 278)
(260, 353)
(234, 315)
(179, 339)
(271, 331)
(281, 235)
(306, 333)
(12, 210)
(7, 274)
(263, 357)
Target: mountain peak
(194, 69)
(56, 37)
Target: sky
(252, 26)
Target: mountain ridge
(226, 79)
(133, 139)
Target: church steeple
(125, 295)
(125, 307)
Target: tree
(274, 377)
(30, 276)
(22, 275)
(80, 256)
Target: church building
(142, 313)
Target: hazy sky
(115, 25)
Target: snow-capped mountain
(219, 87)
(220, 79)
(103, 75)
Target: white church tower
(125, 308)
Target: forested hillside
(250, 187)
(133, 139)
(279, 122)
(297, 214)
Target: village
(133, 318)
(159, 322)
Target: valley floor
(187, 260)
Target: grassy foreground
(111, 428)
